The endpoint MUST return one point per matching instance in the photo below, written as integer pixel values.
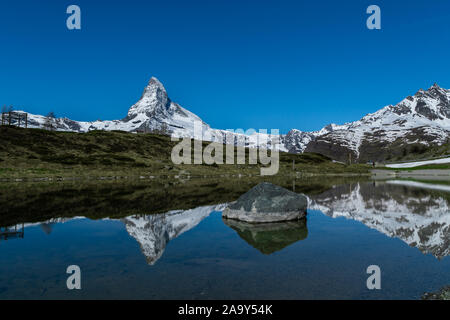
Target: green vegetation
(36, 153)
(417, 152)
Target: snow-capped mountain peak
(154, 98)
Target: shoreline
(82, 178)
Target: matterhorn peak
(154, 88)
(153, 98)
(155, 83)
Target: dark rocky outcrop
(267, 202)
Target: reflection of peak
(153, 232)
(46, 227)
(414, 215)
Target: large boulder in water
(267, 203)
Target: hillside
(43, 153)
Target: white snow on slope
(418, 163)
(427, 113)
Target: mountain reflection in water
(150, 240)
(417, 216)
(406, 210)
(153, 232)
(417, 213)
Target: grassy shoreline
(39, 154)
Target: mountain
(155, 112)
(422, 119)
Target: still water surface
(401, 226)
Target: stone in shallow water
(267, 203)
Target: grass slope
(417, 152)
(29, 153)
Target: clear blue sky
(236, 64)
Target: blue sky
(236, 64)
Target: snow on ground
(418, 163)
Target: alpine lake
(166, 239)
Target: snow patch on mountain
(418, 163)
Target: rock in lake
(267, 203)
